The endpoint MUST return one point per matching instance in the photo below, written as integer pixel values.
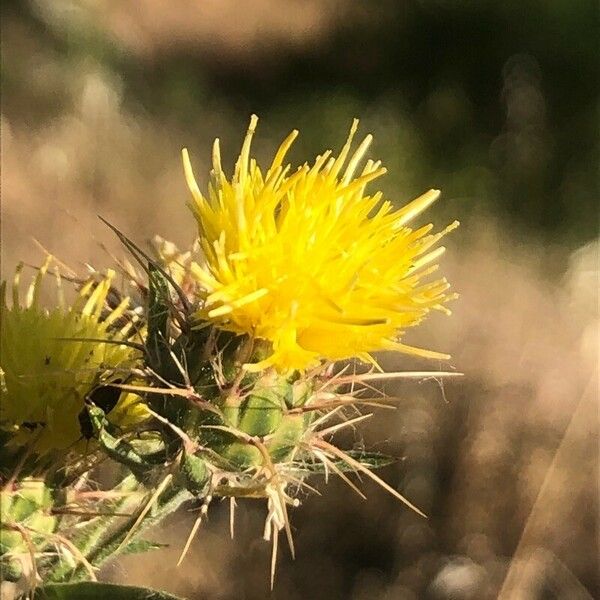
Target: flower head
(310, 262)
(46, 373)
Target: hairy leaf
(371, 460)
(98, 591)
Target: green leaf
(98, 591)
(89, 537)
(168, 503)
(139, 546)
(371, 460)
(118, 449)
(158, 349)
(158, 320)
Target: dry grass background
(504, 461)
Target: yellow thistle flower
(46, 374)
(310, 262)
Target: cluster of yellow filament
(310, 262)
(51, 359)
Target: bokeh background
(493, 102)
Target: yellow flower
(310, 262)
(45, 373)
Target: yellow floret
(310, 262)
(46, 372)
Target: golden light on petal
(309, 261)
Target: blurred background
(496, 104)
